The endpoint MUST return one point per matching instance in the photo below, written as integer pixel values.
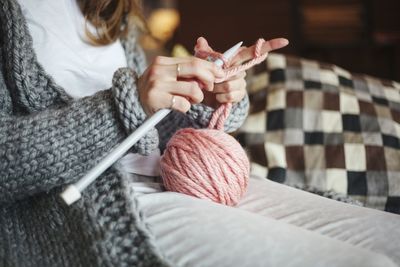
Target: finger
(180, 104)
(174, 61)
(190, 90)
(161, 60)
(230, 86)
(237, 59)
(231, 97)
(183, 71)
(205, 72)
(248, 53)
(169, 101)
(274, 44)
(161, 73)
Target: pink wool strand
(208, 163)
(202, 50)
(219, 116)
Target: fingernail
(221, 73)
(284, 41)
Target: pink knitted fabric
(208, 163)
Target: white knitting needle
(73, 192)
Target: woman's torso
(81, 69)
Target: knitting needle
(73, 192)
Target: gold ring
(178, 70)
(173, 101)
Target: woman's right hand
(176, 83)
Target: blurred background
(360, 35)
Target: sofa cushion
(315, 124)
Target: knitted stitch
(131, 112)
(48, 140)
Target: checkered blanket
(317, 125)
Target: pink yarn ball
(206, 163)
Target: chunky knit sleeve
(130, 111)
(49, 148)
(199, 116)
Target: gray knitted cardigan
(48, 140)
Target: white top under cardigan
(58, 32)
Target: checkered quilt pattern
(318, 125)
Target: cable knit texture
(48, 140)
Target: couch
(322, 128)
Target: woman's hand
(232, 90)
(176, 83)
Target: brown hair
(111, 18)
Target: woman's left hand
(232, 90)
